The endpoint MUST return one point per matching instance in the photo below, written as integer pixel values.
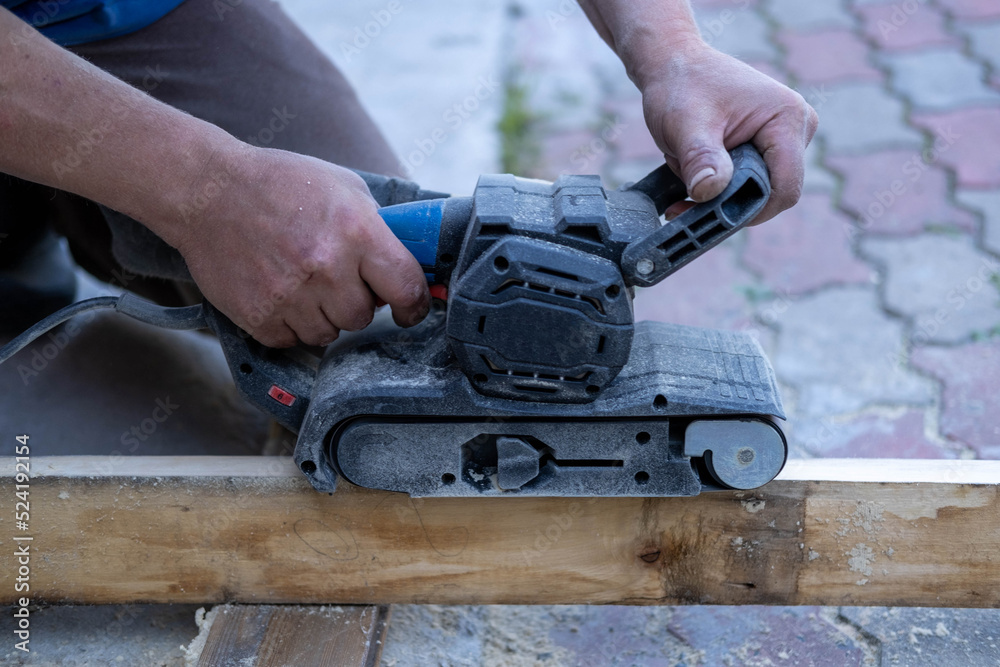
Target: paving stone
(632, 138)
(970, 410)
(736, 30)
(827, 55)
(857, 117)
(418, 67)
(571, 152)
(752, 635)
(813, 14)
(805, 248)
(971, 9)
(942, 283)
(988, 204)
(896, 192)
(710, 292)
(939, 79)
(817, 177)
(883, 434)
(770, 69)
(970, 139)
(893, 29)
(840, 353)
(912, 636)
(985, 39)
(82, 636)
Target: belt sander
(530, 375)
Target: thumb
(705, 165)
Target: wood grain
(251, 529)
(304, 636)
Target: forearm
(68, 124)
(646, 34)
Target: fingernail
(707, 172)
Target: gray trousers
(243, 66)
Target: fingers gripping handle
(649, 260)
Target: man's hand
(702, 103)
(289, 247)
(699, 102)
(292, 248)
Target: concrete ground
(877, 297)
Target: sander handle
(649, 260)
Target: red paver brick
(896, 192)
(710, 292)
(824, 56)
(970, 139)
(894, 30)
(970, 410)
(972, 9)
(871, 436)
(805, 248)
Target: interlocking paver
(972, 148)
(970, 400)
(840, 353)
(817, 177)
(813, 14)
(897, 192)
(883, 124)
(737, 30)
(939, 79)
(893, 28)
(942, 283)
(869, 435)
(985, 38)
(828, 55)
(971, 9)
(751, 635)
(966, 637)
(988, 204)
(805, 248)
(711, 292)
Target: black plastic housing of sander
(535, 380)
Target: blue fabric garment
(71, 22)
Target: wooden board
(304, 636)
(251, 529)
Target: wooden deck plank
(251, 529)
(304, 636)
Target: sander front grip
(433, 229)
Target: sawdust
(753, 505)
(868, 516)
(861, 558)
(204, 622)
